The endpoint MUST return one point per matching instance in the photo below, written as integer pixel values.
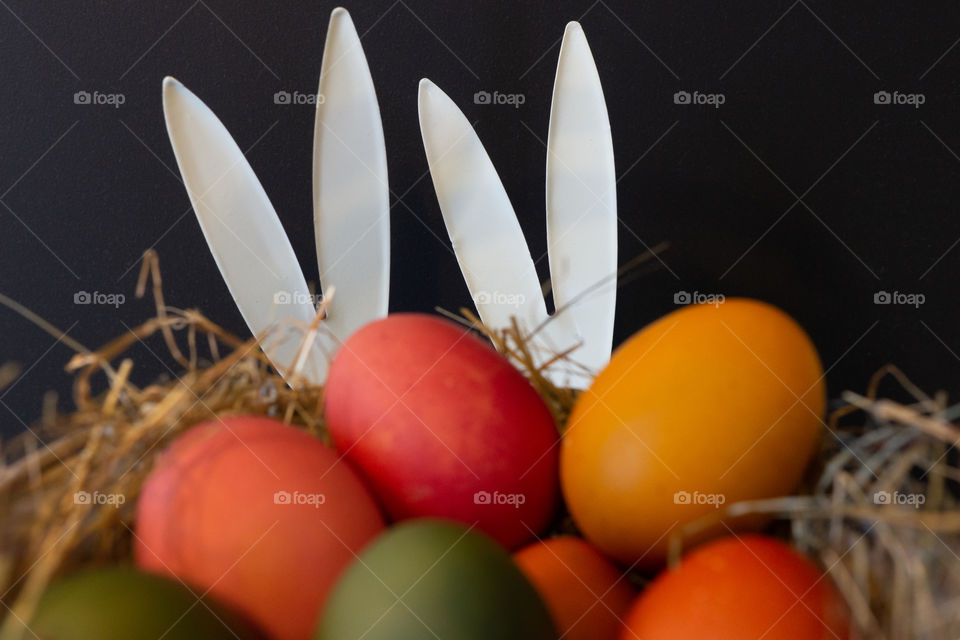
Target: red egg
(739, 588)
(263, 515)
(440, 424)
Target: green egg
(434, 579)
(123, 603)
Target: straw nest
(880, 512)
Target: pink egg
(263, 515)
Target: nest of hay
(50, 477)
(880, 512)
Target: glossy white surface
(350, 193)
(240, 225)
(582, 200)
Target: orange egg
(707, 406)
(262, 515)
(586, 595)
(739, 589)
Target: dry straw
(895, 561)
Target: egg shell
(739, 588)
(120, 602)
(210, 513)
(429, 578)
(707, 406)
(586, 594)
(442, 425)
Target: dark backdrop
(799, 189)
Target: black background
(86, 189)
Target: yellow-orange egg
(707, 406)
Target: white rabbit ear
(240, 226)
(350, 192)
(483, 228)
(486, 236)
(582, 200)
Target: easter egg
(430, 578)
(739, 589)
(586, 594)
(442, 425)
(121, 602)
(263, 515)
(709, 405)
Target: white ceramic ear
(582, 201)
(483, 228)
(241, 228)
(581, 218)
(351, 197)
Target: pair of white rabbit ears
(581, 219)
(351, 214)
(351, 209)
